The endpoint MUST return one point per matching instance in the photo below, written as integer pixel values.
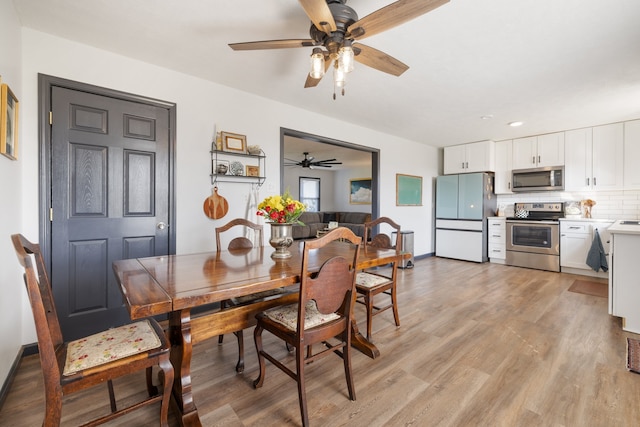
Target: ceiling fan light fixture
(317, 63)
(346, 57)
(339, 76)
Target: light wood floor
(479, 345)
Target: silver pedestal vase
(281, 239)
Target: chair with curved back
(323, 313)
(371, 283)
(239, 243)
(73, 366)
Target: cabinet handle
(562, 235)
(533, 160)
(462, 165)
(538, 159)
(574, 228)
(496, 235)
(587, 182)
(466, 165)
(594, 181)
(509, 185)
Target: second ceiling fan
(308, 162)
(336, 28)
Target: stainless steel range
(533, 236)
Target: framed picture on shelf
(233, 142)
(222, 167)
(8, 123)
(253, 170)
(408, 190)
(360, 191)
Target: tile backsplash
(622, 204)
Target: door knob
(161, 226)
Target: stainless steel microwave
(538, 179)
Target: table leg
(361, 343)
(181, 350)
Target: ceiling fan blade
(392, 15)
(273, 44)
(320, 14)
(311, 82)
(379, 60)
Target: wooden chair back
(381, 240)
(370, 283)
(333, 286)
(240, 242)
(44, 310)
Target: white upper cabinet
(632, 155)
(538, 151)
(594, 158)
(577, 160)
(467, 158)
(608, 157)
(504, 162)
(455, 158)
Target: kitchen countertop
(619, 227)
(587, 219)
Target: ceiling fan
(336, 28)
(308, 162)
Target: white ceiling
(554, 64)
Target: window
(310, 193)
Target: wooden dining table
(181, 285)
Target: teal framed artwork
(408, 190)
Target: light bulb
(346, 57)
(339, 76)
(317, 64)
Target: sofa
(314, 221)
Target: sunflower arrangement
(282, 209)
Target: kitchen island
(624, 274)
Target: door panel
(447, 196)
(109, 189)
(471, 196)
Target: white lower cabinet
(624, 290)
(497, 228)
(576, 238)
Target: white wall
(11, 283)
(342, 189)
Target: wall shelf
(238, 167)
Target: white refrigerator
(463, 204)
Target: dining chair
(73, 366)
(323, 314)
(370, 283)
(239, 243)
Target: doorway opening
(353, 156)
